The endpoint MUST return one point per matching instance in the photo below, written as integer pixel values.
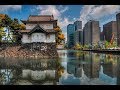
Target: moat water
(73, 67)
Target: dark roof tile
(41, 18)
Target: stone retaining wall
(31, 50)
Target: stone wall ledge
(29, 50)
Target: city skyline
(66, 14)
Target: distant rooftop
(109, 23)
(40, 18)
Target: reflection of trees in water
(71, 53)
(79, 53)
(111, 66)
(59, 70)
(30, 64)
(34, 65)
(6, 75)
(110, 58)
(92, 61)
(109, 63)
(91, 65)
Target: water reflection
(72, 68)
(29, 72)
(91, 68)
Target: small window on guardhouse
(48, 36)
(37, 36)
(42, 35)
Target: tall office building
(102, 36)
(91, 32)
(110, 31)
(118, 29)
(78, 35)
(78, 25)
(70, 35)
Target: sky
(65, 14)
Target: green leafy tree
(86, 46)
(78, 46)
(6, 22)
(107, 44)
(96, 46)
(59, 36)
(114, 44)
(15, 24)
(12, 26)
(2, 33)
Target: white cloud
(96, 12)
(104, 10)
(63, 9)
(4, 8)
(49, 10)
(57, 12)
(84, 13)
(64, 22)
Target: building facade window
(42, 35)
(48, 36)
(37, 36)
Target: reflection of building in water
(107, 79)
(91, 68)
(109, 69)
(75, 68)
(79, 55)
(71, 67)
(118, 70)
(36, 70)
(38, 75)
(69, 80)
(71, 54)
(110, 66)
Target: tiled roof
(27, 31)
(50, 30)
(24, 31)
(41, 18)
(38, 27)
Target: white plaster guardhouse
(39, 29)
